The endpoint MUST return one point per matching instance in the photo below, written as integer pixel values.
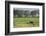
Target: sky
(30, 9)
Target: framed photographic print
(24, 17)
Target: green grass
(22, 22)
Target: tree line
(25, 13)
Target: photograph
(25, 17)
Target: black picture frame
(7, 17)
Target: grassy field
(24, 22)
